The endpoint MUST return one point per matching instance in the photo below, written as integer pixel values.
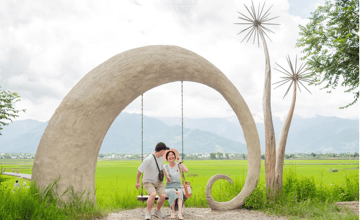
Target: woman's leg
(173, 205)
(173, 214)
(180, 205)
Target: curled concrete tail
(212, 203)
(235, 203)
(254, 164)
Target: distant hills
(318, 134)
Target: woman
(173, 190)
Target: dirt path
(353, 206)
(194, 214)
(20, 175)
(206, 213)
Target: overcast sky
(46, 47)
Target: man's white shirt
(149, 168)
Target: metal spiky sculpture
(295, 76)
(258, 21)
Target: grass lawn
(115, 183)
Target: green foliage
(7, 109)
(2, 179)
(32, 203)
(303, 198)
(331, 45)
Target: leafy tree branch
(331, 46)
(7, 107)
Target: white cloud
(48, 46)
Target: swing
(143, 197)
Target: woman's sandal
(180, 216)
(173, 216)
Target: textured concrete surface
(71, 142)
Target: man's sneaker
(159, 214)
(148, 215)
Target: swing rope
(142, 141)
(182, 122)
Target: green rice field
(115, 179)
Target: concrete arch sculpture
(71, 142)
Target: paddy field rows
(115, 179)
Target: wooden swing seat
(145, 198)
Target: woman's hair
(167, 154)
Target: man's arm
(141, 169)
(167, 176)
(138, 179)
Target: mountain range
(318, 134)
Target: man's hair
(167, 154)
(17, 180)
(161, 146)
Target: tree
(313, 154)
(227, 156)
(295, 75)
(257, 21)
(331, 45)
(7, 109)
(212, 156)
(220, 155)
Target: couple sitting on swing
(153, 183)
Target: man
(150, 180)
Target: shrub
(32, 203)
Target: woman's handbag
(186, 187)
(161, 172)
